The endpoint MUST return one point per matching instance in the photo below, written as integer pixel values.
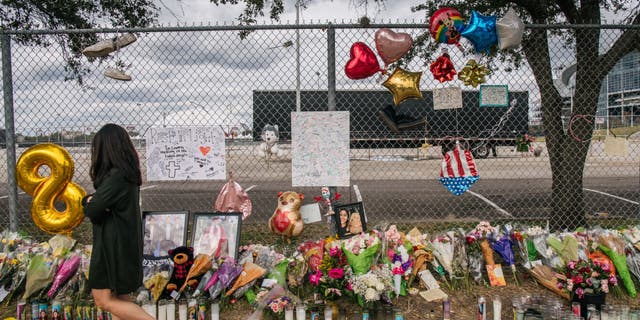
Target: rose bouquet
(474, 255)
(360, 251)
(525, 248)
(483, 232)
(582, 277)
(399, 256)
(274, 301)
(460, 258)
(373, 285)
(223, 277)
(566, 249)
(502, 245)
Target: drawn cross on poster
(172, 167)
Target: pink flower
(569, 284)
(336, 273)
(612, 280)
(595, 274)
(334, 251)
(605, 267)
(605, 286)
(577, 279)
(571, 265)
(349, 287)
(580, 292)
(589, 282)
(315, 278)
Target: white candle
(215, 311)
(150, 309)
(288, 313)
(301, 312)
(328, 313)
(182, 311)
(162, 312)
(171, 310)
(397, 282)
(497, 308)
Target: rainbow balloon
(445, 25)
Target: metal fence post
(331, 68)
(7, 89)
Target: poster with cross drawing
(185, 153)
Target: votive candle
(215, 311)
(162, 312)
(301, 312)
(171, 310)
(182, 311)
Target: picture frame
(350, 219)
(494, 95)
(216, 233)
(163, 231)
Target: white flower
(371, 295)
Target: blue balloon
(459, 185)
(481, 31)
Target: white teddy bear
(269, 146)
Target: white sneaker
(114, 73)
(104, 47)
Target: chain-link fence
(208, 76)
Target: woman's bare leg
(120, 306)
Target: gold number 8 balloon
(46, 190)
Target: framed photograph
(216, 233)
(494, 95)
(163, 231)
(350, 219)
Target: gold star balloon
(403, 85)
(473, 74)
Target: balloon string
(586, 117)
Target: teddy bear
(286, 220)
(269, 146)
(182, 258)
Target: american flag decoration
(458, 170)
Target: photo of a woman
(350, 219)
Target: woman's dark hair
(112, 148)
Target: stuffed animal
(286, 220)
(269, 146)
(182, 261)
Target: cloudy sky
(208, 78)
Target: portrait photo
(350, 219)
(163, 231)
(216, 233)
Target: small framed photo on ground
(216, 233)
(350, 219)
(163, 231)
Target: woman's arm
(104, 199)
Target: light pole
(297, 56)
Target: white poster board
(185, 153)
(447, 98)
(320, 149)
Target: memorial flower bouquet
(330, 280)
(360, 251)
(484, 231)
(372, 286)
(274, 301)
(582, 277)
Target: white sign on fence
(185, 153)
(320, 149)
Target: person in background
(115, 270)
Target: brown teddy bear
(286, 220)
(182, 261)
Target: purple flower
(503, 247)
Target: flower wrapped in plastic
(566, 249)
(443, 248)
(632, 236)
(201, 264)
(65, 271)
(502, 245)
(483, 231)
(460, 259)
(521, 241)
(611, 244)
(250, 272)
(274, 301)
(12, 281)
(296, 271)
(373, 286)
(42, 268)
(361, 250)
(539, 238)
(313, 252)
(223, 277)
(475, 259)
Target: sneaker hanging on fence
(117, 74)
(458, 171)
(104, 47)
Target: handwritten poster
(320, 149)
(185, 153)
(447, 98)
(494, 96)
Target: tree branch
(568, 8)
(628, 41)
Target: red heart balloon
(391, 45)
(362, 62)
